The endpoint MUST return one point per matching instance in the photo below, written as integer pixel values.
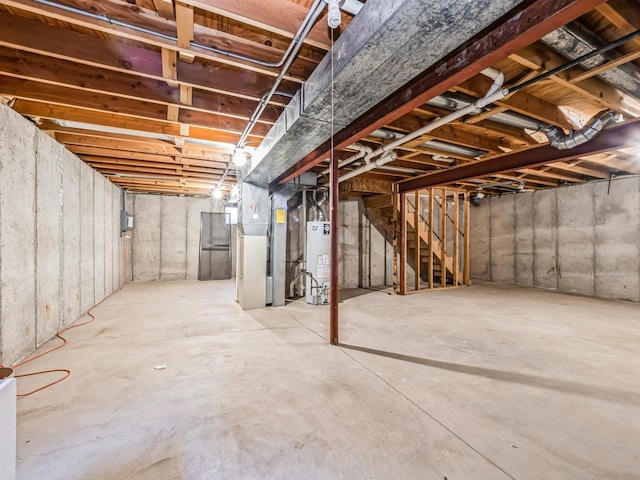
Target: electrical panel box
(124, 221)
(317, 271)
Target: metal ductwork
(565, 141)
(573, 41)
(375, 47)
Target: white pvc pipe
(386, 158)
(362, 151)
(352, 6)
(495, 93)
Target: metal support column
(334, 296)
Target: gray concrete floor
(486, 382)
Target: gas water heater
(317, 270)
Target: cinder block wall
(165, 243)
(366, 258)
(60, 251)
(582, 239)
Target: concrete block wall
(60, 251)
(581, 239)
(165, 243)
(366, 258)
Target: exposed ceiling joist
(492, 45)
(613, 138)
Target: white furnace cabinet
(251, 271)
(317, 281)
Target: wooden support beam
(402, 241)
(184, 27)
(612, 138)
(521, 102)
(156, 159)
(299, 70)
(116, 169)
(578, 77)
(98, 141)
(545, 173)
(575, 167)
(379, 201)
(362, 184)
(165, 9)
(467, 241)
(34, 70)
(614, 163)
(278, 16)
(173, 111)
(454, 133)
(456, 238)
(161, 166)
(107, 105)
(186, 95)
(170, 66)
(32, 36)
(75, 114)
(539, 56)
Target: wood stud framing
(105, 76)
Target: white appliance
(251, 271)
(317, 270)
(8, 429)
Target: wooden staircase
(433, 264)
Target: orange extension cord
(64, 342)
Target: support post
(334, 296)
(443, 239)
(396, 232)
(402, 239)
(456, 236)
(467, 241)
(416, 222)
(431, 238)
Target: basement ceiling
(145, 100)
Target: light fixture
(239, 157)
(334, 17)
(217, 193)
(480, 194)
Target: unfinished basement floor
(485, 382)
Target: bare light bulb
(217, 193)
(334, 17)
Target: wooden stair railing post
(416, 221)
(443, 239)
(456, 235)
(431, 239)
(403, 244)
(467, 240)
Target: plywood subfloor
(486, 382)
